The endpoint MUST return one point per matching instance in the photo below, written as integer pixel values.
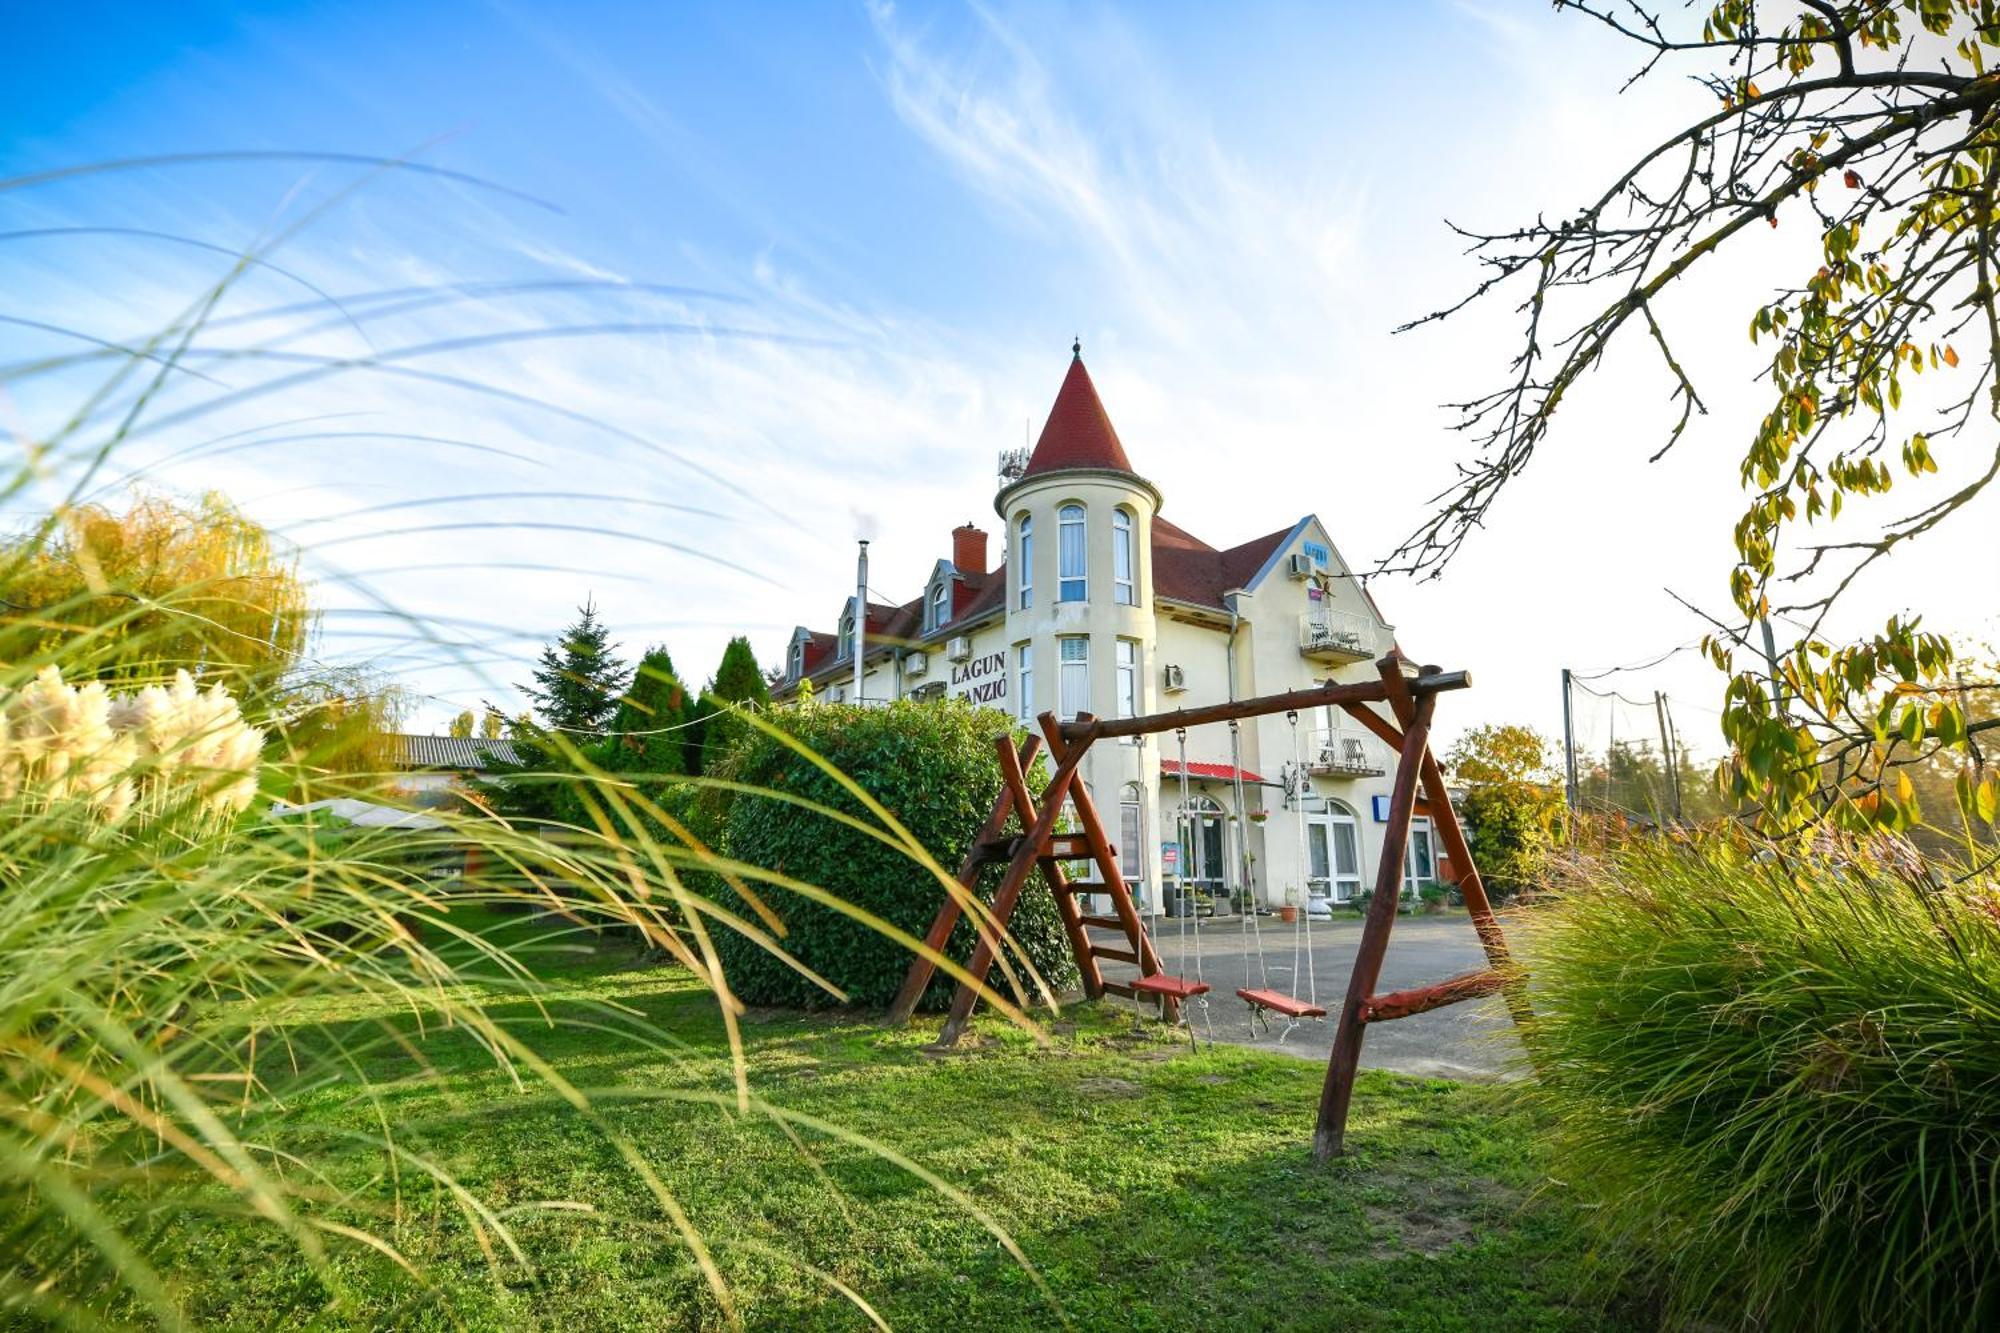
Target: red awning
(1213, 772)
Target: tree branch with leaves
(1876, 123)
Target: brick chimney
(968, 550)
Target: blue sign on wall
(1381, 809)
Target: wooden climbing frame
(1410, 697)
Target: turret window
(1072, 583)
(1025, 549)
(1124, 579)
(1074, 681)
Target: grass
(1147, 1187)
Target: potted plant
(1433, 896)
(1289, 912)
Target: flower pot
(1288, 914)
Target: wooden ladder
(1041, 850)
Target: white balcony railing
(1343, 753)
(1325, 632)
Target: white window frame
(1124, 559)
(1024, 681)
(1420, 828)
(1126, 666)
(1025, 549)
(941, 604)
(1131, 845)
(1073, 676)
(846, 635)
(1340, 888)
(1072, 517)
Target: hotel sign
(983, 680)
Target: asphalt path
(1465, 1041)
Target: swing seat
(1169, 987)
(1280, 1003)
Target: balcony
(1340, 753)
(1336, 636)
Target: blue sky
(844, 248)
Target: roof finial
(1076, 347)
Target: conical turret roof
(1078, 432)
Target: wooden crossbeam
(1087, 728)
(1423, 999)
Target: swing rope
(1243, 856)
(1302, 932)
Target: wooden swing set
(1409, 695)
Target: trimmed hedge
(932, 766)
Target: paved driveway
(1472, 1040)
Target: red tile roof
(1188, 569)
(1078, 432)
(1197, 769)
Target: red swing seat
(1280, 1003)
(1169, 987)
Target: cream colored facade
(1305, 822)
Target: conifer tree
(579, 680)
(649, 733)
(738, 683)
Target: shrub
(1778, 1082)
(932, 766)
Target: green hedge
(1777, 1082)
(930, 764)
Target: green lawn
(1148, 1188)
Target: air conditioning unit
(1173, 678)
(1301, 566)
(915, 664)
(958, 649)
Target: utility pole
(860, 616)
(1671, 770)
(1569, 755)
(1771, 659)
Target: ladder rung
(1103, 922)
(1119, 988)
(1115, 955)
(1068, 847)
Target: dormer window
(941, 604)
(796, 662)
(847, 633)
(1072, 583)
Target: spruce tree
(579, 680)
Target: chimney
(968, 550)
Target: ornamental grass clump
(1776, 1081)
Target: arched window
(1024, 552)
(1124, 560)
(1333, 854)
(847, 633)
(798, 659)
(1072, 585)
(941, 604)
(1204, 864)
